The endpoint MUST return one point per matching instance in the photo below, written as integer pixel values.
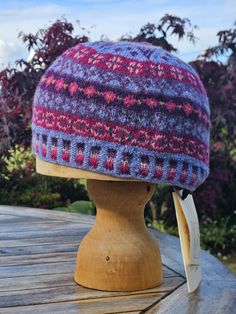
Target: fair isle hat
(125, 109)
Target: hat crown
(127, 109)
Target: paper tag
(188, 226)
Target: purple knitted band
(124, 109)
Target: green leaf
(83, 207)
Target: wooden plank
(169, 273)
(36, 281)
(171, 257)
(3, 216)
(51, 268)
(170, 250)
(11, 235)
(66, 279)
(45, 213)
(39, 226)
(213, 296)
(41, 231)
(39, 249)
(128, 312)
(21, 221)
(92, 306)
(37, 269)
(60, 257)
(37, 262)
(213, 269)
(16, 220)
(41, 241)
(172, 271)
(36, 259)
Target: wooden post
(118, 253)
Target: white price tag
(188, 226)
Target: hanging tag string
(185, 192)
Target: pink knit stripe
(110, 97)
(127, 66)
(108, 131)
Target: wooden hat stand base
(118, 253)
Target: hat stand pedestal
(118, 253)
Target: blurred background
(203, 33)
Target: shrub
(83, 207)
(23, 186)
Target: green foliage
(83, 207)
(23, 186)
(161, 226)
(218, 236)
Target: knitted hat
(129, 110)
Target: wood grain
(61, 279)
(213, 296)
(45, 214)
(127, 257)
(37, 262)
(90, 306)
(36, 258)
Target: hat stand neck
(118, 253)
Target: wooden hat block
(118, 253)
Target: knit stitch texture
(129, 110)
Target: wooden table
(37, 256)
